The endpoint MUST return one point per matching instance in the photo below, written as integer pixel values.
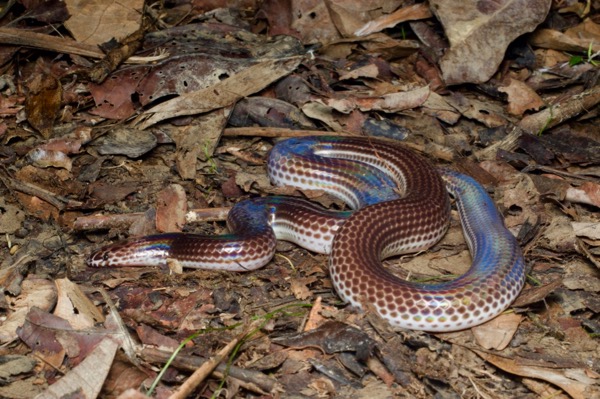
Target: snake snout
(98, 259)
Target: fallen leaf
(87, 378)
(222, 94)
(498, 332)
(35, 292)
(479, 33)
(43, 103)
(97, 21)
(576, 382)
(75, 307)
(521, 97)
(171, 207)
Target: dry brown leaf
(579, 383)
(36, 292)
(498, 332)
(350, 15)
(312, 20)
(479, 33)
(75, 307)
(49, 158)
(437, 106)
(171, 207)
(391, 102)
(87, 378)
(485, 112)
(589, 230)
(409, 13)
(552, 39)
(43, 103)
(521, 97)
(586, 193)
(300, 289)
(198, 140)
(98, 21)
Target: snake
(398, 203)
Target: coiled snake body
(400, 205)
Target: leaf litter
(504, 91)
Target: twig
(252, 380)
(106, 222)
(23, 37)
(207, 368)
(558, 113)
(58, 201)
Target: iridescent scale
(400, 205)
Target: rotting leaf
(479, 33)
(221, 94)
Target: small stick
(560, 112)
(106, 222)
(207, 368)
(58, 201)
(252, 380)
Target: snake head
(142, 251)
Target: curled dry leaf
(578, 383)
(392, 102)
(125, 141)
(87, 378)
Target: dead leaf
(87, 378)
(171, 207)
(49, 158)
(498, 332)
(479, 33)
(521, 97)
(407, 13)
(392, 102)
(198, 140)
(577, 39)
(300, 288)
(35, 292)
(43, 103)
(578, 383)
(97, 22)
(75, 307)
(222, 94)
(312, 20)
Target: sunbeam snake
(400, 204)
